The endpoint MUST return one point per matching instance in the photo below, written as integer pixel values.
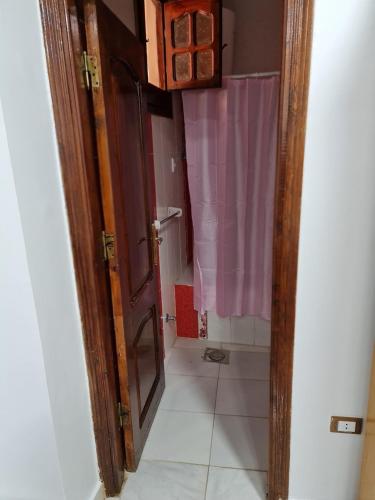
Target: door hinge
(90, 71)
(108, 241)
(123, 414)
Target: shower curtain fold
(231, 155)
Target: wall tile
(242, 330)
(262, 332)
(169, 192)
(218, 328)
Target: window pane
(205, 67)
(182, 67)
(181, 31)
(203, 28)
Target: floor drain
(216, 356)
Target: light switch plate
(346, 425)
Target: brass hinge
(108, 240)
(90, 71)
(123, 414)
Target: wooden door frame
(61, 62)
(295, 73)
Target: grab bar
(172, 213)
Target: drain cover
(216, 356)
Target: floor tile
(180, 437)
(254, 365)
(244, 347)
(236, 484)
(187, 393)
(186, 343)
(166, 481)
(240, 442)
(243, 397)
(190, 362)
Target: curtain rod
(253, 75)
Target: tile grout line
(246, 378)
(215, 377)
(225, 345)
(202, 412)
(212, 432)
(190, 375)
(157, 460)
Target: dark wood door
(127, 193)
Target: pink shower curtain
(231, 156)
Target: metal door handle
(168, 317)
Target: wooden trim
(174, 9)
(76, 148)
(83, 215)
(298, 15)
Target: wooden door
(367, 487)
(127, 193)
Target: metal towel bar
(172, 213)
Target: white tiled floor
(189, 362)
(188, 393)
(180, 436)
(166, 481)
(243, 397)
(209, 440)
(235, 484)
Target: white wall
(335, 320)
(28, 469)
(257, 35)
(167, 144)
(55, 318)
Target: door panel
(146, 360)
(133, 181)
(127, 194)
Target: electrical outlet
(346, 425)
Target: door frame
(61, 63)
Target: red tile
(186, 316)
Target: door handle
(168, 317)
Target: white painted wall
(48, 321)
(335, 320)
(28, 469)
(257, 35)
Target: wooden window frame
(165, 49)
(296, 48)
